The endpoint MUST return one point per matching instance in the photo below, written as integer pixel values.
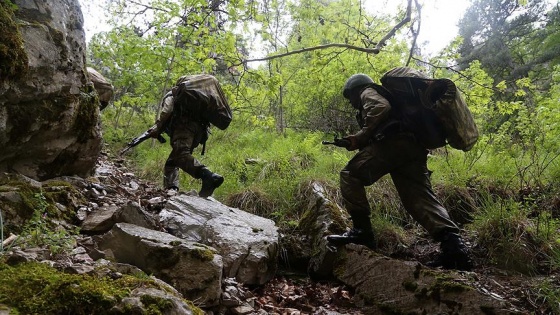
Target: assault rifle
(141, 138)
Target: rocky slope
(113, 186)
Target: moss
(309, 219)
(35, 288)
(28, 117)
(32, 199)
(59, 39)
(26, 193)
(156, 305)
(88, 114)
(448, 284)
(194, 308)
(25, 117)
(443, 284)
(340, 262)
(63, 193)
(451, 287)
(202, 253)
(13, 57)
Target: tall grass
(263, 171)
(253, 160)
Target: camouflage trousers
(183, 142)
(405, 160)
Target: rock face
(247, 243)
(49, 117)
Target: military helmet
(354, 81)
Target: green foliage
(507, 37)
(510, 84)
(276, 164)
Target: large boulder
(49, 115)
(390, 286)
(247, 243)
(193, 269)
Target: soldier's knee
(346, 176)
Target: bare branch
(392, 32)
(455, 71)
(299, 51)
(415, 32)
(374, 51)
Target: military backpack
(201, 97)
(432, 109)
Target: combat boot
(210, 181)
(354, 236)
(454, 254)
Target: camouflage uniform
(186, 134)
(397, 154)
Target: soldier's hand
(343, 143)
(153, 132)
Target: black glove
(343, 143)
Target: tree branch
(392, 32)
(415, 32)
(374, 51)
(299, 51)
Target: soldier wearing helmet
(386, 147)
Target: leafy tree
(152, 43)
(507, 36)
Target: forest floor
(293, 293)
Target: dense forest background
(505, 191)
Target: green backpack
(433, 109)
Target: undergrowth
(41, 231)
(480, 188)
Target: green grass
(263, 171)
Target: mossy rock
(28, 198)
(13, 57)
(36, 288)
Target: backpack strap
(393, 124)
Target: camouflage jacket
(166, 112)
(374, 113)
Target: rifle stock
(141, 138)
